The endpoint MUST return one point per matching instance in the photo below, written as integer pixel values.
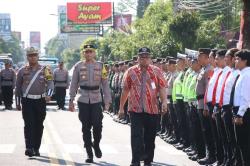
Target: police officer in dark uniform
(34, 86)
(7, 81)
(61, 80)
(90, 75)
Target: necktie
(223, 88)
(233, 90)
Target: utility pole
(244, 41)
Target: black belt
(199, 97)
(235, 110)
(226, 107)
(61, 81)
(7, 79)
(169, 97)
(89, 87)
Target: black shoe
(98, 152)
(206, 161)
(147, 164)
(89, 155)
(37, 153)
(191, 153)
(29, 152)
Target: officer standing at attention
(61, 80)
(141, 85)
(34, 87)
(90, 75)
(7, 81)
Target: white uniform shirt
(242, 91)
(211, 84)
(228, 86)
(220, 82)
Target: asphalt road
(62, 143)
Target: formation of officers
(199, 101)
(208, 103)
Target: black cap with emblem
(144, 50)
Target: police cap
(144, 50)
(32, 51)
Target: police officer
(61, 81)
(34, 86)
(90, 75)
(7, 81)
(204, 116)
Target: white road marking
(73, 148)
(108, 149)
(7, 148)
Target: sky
(35, 15)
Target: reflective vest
(191, 92)
(186, 82)
(177, 87)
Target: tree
(70, 57)
(55, 47)
(183, 28)
(12, 46)
(245, 26)
(209, 34)
(141, 7)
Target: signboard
(89, 13)
(81, 28)
(123, 22)
(35, 39)
(5, 26)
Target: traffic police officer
(34, 86)
(61, 80)
(90, 75)
(7, 81)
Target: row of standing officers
(208, 104)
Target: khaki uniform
(33, 103)
(7, 82)
(90, 78)
(61, 81)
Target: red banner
(89, 13)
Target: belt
(89, 87)
(61, 81)
(7, 79)
(169, 96)
(29, 96)
(199, 97)
(235, 110)
(226, 107)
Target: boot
(89, 155)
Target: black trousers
(91, 116)
(197, 127)
(60, 96)
(143, 133)
(173, 118)
(243, 138)
(182, 121)
(227, 117)
(7, 92)
(34, 113)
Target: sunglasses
(88, 51)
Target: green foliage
(183, 28)
(209, 34)
(70, 57)
(141, 7)
(13, 47)
(55, 47)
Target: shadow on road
(161, 164)
(51, 160)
